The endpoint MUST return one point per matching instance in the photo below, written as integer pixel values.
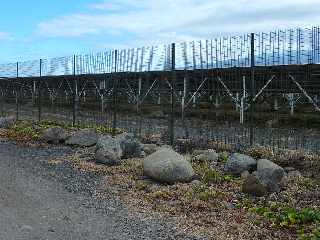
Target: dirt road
(41, 201)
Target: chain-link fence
(227, 93)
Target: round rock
(54, 135)
(6, 122)
(130, 145)
(167, 166)
(238, 163)
(83, 138)
(108, 151)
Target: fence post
(2, 102)
(139, 107)
(75, 93)
(114, 95)
(173, 66)
(17, 93)
(39, 92)
(252, 91)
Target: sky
(36, 29)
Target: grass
(21, 131)
(26, 131)
(68, 126)
(303, 219)
(209, 175)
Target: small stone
(6, 122)
(245, 174)
(231, 205)
(197, 152)
(150, 148)
(143, 154)
(26, 228)
(196, 183)
(294, 174)
(157, 114)
(206, 156)
(289, 169)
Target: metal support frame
(292, 99)
(304, 92)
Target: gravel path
(43, 201)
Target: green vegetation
(292, 218)
(287, 217)
(314, 235)
(211, 176)
(206, 194)
(223, 157)
(309, 184)
(22, 131)
(27, 131)
(68, 126)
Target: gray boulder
(150, 148)
(167, 166)
(83, 138)
(206, 156)
(269, 174)
(252, 186)
(157, 114)
(108, 151)
(238, 163)
(54, 135)
(130, 145)
(197, 152)
(6, 122)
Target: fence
(226, 93)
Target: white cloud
(154, 21)
(5, 36)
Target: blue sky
(36, 29)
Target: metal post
(252, 91)
(183, 107)
(237, 102)
(138, 105)
(114, 95)
(17, 93)
(243, 100)
(33, 93)
(276, 104)
(2, 104)
(39, 92)
(75, 92)
(173, 49)
(217, 101)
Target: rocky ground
(214, 207)
(122, 202)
